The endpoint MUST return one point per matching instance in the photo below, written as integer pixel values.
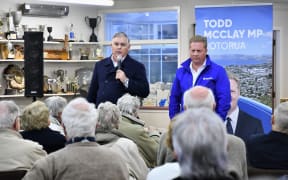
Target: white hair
(55, 105)
(200, 143)
(129, 104)
(9, 111)
(79, 118)
(198, 96)
(281, 117)
(109, 116)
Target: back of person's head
(200, 143)
(55, 105)
(109, 116)
(281, 118)
(198, 96)
(79, 118)
(35, 116)
(9, 111)
(129, 104)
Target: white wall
(77, 14)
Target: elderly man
(82, 158)
(199, 140)
(16, 153)
(56, 105)
(270, 150)
(197, 97)
(133, 128)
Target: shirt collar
(234, 118)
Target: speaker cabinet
(33, 64)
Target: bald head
(199, 96)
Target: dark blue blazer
(49, 139)
(268, 151)
(104, 86)
(247, 125)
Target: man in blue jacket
(200, 70)
(118, 74)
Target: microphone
(119, 58)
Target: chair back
(277, 173)
(12, 175)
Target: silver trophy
(17, 16)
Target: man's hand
(121, 75)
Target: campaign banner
(240, 39)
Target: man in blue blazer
(243, 125)
(118, 74)
(270, 151)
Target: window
(154, 40)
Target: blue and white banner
(240, 39)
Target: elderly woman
(56, 105)
(133, 128)
(107, 134)
(35, 123)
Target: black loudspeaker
(33, 64)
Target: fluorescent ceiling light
(85, 2)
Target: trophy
(93, 23)
(17, 16)
(49, 29)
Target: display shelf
(45, 95)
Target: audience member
(243, 125)
(107, 135)
(196, 97)
(269, 151)
(200, 141)
(133, 128)
(56, 105)
(118, 74)
(16, 153)
(198, 69)
(82, 158)
(35, 123)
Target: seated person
(108, 135)
(35, 123)
(56, 105)
(133, 128)
(243, 125)
(82, 158)
(16, 153)
(200, 145)
(197, 97)
(269, 151)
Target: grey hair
(200, 142)
(9, 111)
(129, 104)
(281, 117)
(121, 34)
(55, 105)
(198, 96)
(79, 118)
(109, 116)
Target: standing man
(200, 70)
(118, 74)
(242, 124)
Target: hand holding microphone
(119, 59)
